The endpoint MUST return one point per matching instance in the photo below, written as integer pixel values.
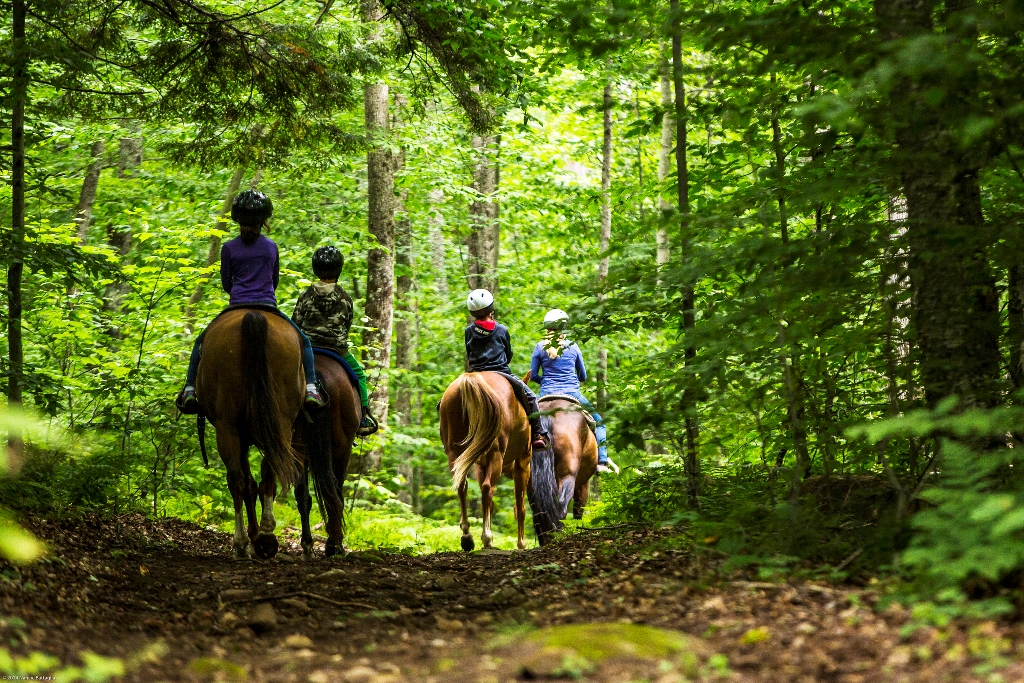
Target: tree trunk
(129, 154)
(129, 157)
(691, 464)
(606, 235)
(1015, 323)
(83, 213)
(406, 311)
(955, 303)
(16, 265)
(485, 233)
(213, 255)
(664, 252)
(380, 262)
(438, 248)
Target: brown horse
(251, 386)
(483, 424)
(335, 428)
(562, 471)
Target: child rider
(489, 349)
(324, 312)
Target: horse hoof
(467, 543)
(331, 549)
(265, 546)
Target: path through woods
(116, 588)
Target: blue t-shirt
(562, 373)
(249, 272)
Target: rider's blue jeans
(307, 355)
(601, 433)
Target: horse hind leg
(521, 479)
(265, 543)
(580, 500)
(230, 448)
(488, 475)
(467, 540)
(304, 501)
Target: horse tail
(262, 412)
(542, 490)
(320, 456)
(482, 412)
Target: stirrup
(367, 425)
(187, 405)
(315, 400)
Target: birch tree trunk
(213, 255)
(380, 262)
(87, 198)
(485, 233)
(691, 464)
(16, 265)
(606, 234)
(664, 252)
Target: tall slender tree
(380, 262)
(605, 239)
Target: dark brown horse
(483, 424)
(251, 386)
(562, 471)
(335, 428)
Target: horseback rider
(249, 272)
(489, 349)
(557, 365)
(324, 313)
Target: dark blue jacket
(488, 350)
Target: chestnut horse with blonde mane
(483, 424)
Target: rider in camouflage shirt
(324, 312)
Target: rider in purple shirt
(557, 364)
(250, 272)
(250, 269)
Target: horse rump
(262, 412)
(542, 491)
(482, 413)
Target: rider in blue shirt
(557, 364)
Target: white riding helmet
(555, 318)
(479, 299)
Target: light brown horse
(251, 387)
(334, 428)
(483, 424)
(561, 472)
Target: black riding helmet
(251, 208)
(327, 263)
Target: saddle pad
(334, 355)
(571, 399)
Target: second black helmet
(327, 263)
(251, 208)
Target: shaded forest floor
(168, 598)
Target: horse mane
(482, 411)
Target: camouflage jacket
(324, 312)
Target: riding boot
(368, 424)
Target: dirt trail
(117, 587)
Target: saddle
(335, 356)
(591, 422)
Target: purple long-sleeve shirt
(250, 272)
(561, 374)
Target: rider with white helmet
(557, 364)
(489, 349)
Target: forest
(784, 233)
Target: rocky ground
(608, 605)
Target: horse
(251, 386)
(483, 424)
(337, 431)
(562, 471)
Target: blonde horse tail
(482, 411)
